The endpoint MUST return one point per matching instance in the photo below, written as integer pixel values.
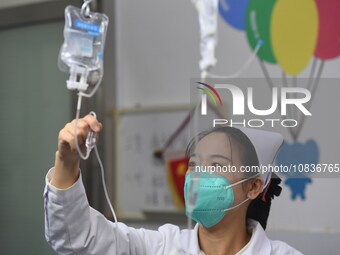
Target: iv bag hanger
(85, 9)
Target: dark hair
(259, 208)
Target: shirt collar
(258, 244)
(189, 241)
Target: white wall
(155, 51)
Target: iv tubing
(85, 157)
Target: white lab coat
(73, 227)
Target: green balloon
(257, 26)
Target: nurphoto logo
(281, 99)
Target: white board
(141, 178)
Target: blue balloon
(233, 12)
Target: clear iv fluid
(84, 39)
(86, 54)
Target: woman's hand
(67, 160)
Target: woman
(227, 205)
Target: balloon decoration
(258, 17)
(328, 44)
(291, 33)
(233, 12)
(294, 30)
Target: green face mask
(208, 197)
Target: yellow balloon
(294, 30)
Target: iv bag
(84, 40)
